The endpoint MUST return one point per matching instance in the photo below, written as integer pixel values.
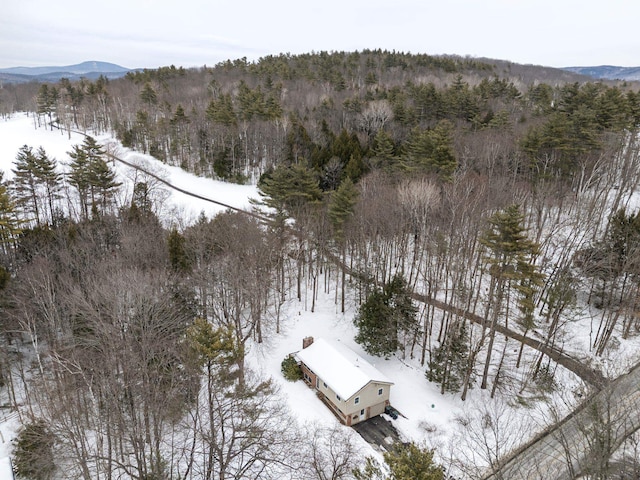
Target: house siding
(370, 401)
(347, 410)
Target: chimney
(306, 341)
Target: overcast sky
(153, 33)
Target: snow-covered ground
(428, 417)
(411, 394)
(427, 412)
(20, 130)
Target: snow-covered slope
(21, 129)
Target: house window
(338, 397)
(380, 391)
(325, 385)
(362, 412)
(357, 400)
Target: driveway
(379, 432)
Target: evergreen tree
(448, 362)
(623, 240)
(431, 151)
(288, 190)
(404, 462)
(141, 199)
(410, 462)
(428, 102)
(178, 258)
(209, 347)
(385, 315)
(383, 151)
(36, 184)
(46, 172)
(148, 95)
(78, 177)
(509, 255)
(47, 101)
(92, 177)
(103, 184)
(341, 206)
(376, 332)
(221, 111)
(25, 184)
(74, 94)
(9, 223)
(33, 452)
(290, 369)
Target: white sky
(152, 33)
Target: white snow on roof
(343, 370)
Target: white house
(353, 388)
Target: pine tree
(509, 255)
(210, 347)
(383, 151)
(47, 174)
(148, 95)
(221, 111)
(448, 362)
(178, 258)
(33, 452)
(25, 184)
(431, 151)
(405, 462)
(383, 316)
(47, 101)
(92, 177)
(78, 177)
(9, 223)
(74, 93)
(102, 180)
(375, 331)
(341, 206)
(410, 462)
(288, 190)
(37, 184)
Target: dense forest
(464, 207)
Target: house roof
(343, 370)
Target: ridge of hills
(93, 69)
(608, 72)
(89, 69)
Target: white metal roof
(343, 370)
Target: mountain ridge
(91, 69)
(89, 66)
(607, 72)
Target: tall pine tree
(509, 255)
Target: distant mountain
(608, 72)
(90, 70)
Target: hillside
(608, 72)
(91, 70)
(472, 227)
